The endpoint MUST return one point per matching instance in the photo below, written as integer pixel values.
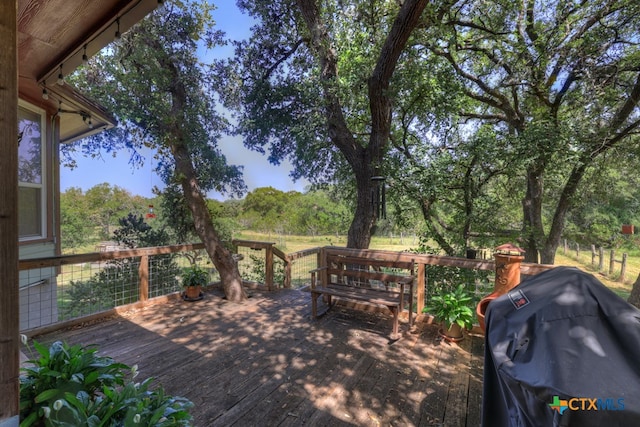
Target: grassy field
(583, 262)
(298, 243)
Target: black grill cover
(561, 333)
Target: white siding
(38, 290)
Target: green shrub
(257, 270)
(454, 306)
(73, 386)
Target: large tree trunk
(364, 220)
(548, 252)
(634, 296)
(532, 213)
(221, 257)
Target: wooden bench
(364, 280)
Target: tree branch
(628, 107)
(379, 100)
(286, 56)
(339, 132)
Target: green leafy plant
(194, 276)
(73, 386)
(453, 306)
(257, 270)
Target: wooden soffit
(53, 36)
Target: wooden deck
(266, 363)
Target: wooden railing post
(287, 273)
(612, 262)
(268, 268)
(143, 278)
(10, 300)
(623, 268)
(593, 255)
(420, 293)
(322, 262)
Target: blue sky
(116, 171)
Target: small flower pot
(481, 308)
(192, 293)
(452, 334)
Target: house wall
(38, 289)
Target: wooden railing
(423, 260)
(45, 277)
(270, 250)
(96, 257)
(56, 290)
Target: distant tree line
(91, 216)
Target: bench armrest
(408, 281)
(313, 275)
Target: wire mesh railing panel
(251, 264)
(38, 297)
(88, 288)
(300, 270)
(168, 277)
(164, 275)
(58, 289)
(204, 262)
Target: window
(31, 190)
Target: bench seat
(363, 280)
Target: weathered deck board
(474, 401)
(266, 363)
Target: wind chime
(378, 196)
(150, 212)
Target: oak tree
(317, 88)
(560, 79)
(164, 97)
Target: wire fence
(614, 264)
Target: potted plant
(454, 309)
(193, 279)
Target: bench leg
(395, 333)
(410, 319)
(410, 298)
(314, 305)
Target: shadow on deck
(266, 363)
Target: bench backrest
(368, 272)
